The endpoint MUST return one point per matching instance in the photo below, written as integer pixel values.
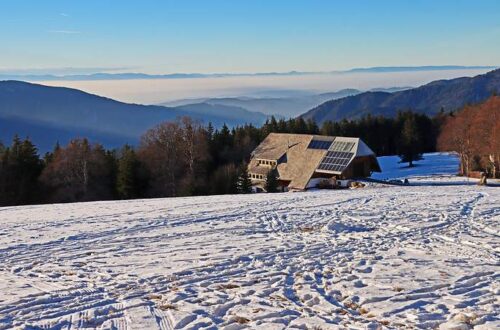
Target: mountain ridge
(180, 75)
(36, 107)
(278, 106)
(451, 94)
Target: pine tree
(127, 174)
(19, 170)
(312, 127)
(272, 181)
(225, 136)
(210, 130)
(411, 141)
(244, 183)
(49, 156)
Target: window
(266, 162)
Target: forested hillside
(180, 158)
(185, 157)
(429, 99)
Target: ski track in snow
(378, 257)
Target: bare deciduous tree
(473, 134)
(79, 171)
(173, 152)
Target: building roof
(300, 155)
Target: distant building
(306, 161)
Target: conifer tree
(127, 174)
(19, 171)
(210, 130)
(225, 135)
(411, 141)
(244, 184)
(49, 156)
(272, 181)
(312, 127)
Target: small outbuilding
(308, 161)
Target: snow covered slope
(433, 164)
(395, 257)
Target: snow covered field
(433, 164)
(378, 257)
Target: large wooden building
(303, 161)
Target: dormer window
(257, 176)
(267, 162)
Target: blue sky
(244, 36)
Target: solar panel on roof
(342, 146)
(319, 144)
(335, 161)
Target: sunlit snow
(423, 256)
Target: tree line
(184, 158)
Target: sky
(67, 37)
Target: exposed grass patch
(351, 305)
(240, 319)
(165, 307)
(306, 229)
(227, 286)
(363, 311)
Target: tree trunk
(482, 181)
(493, 166)
(85, 177)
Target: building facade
(307, 161)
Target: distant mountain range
(419, 68)
(290, 106)
(281, 106)
(135, 76)
(51, 114)
(429, 99)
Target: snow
(433, 164)
(424, 256)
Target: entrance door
(359, 169)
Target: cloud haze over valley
(154, 91)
